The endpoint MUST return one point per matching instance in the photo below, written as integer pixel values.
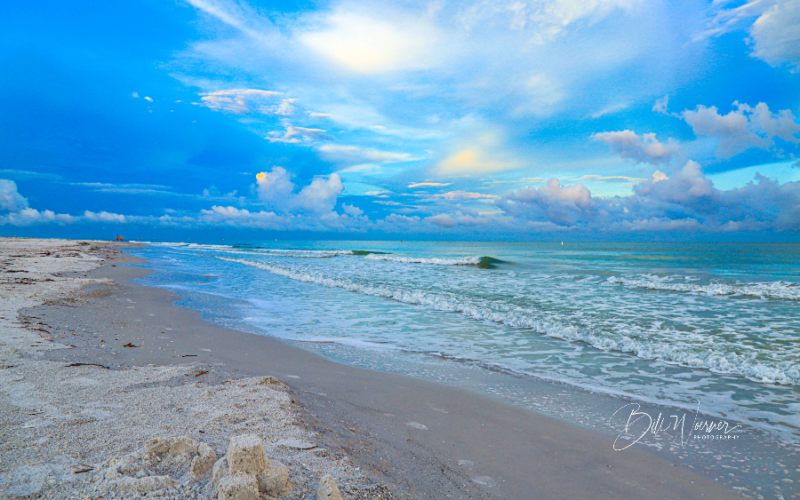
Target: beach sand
(376, 434)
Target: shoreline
(85, 429)
(421, 438)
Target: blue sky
(472, 119)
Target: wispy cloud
(296, 135)
(28, 174)
(523, 180)
(355, 153)
(366, 44)
(464, 196)
(473, 161)
(241, 101)
(428, 184)
(607, 178)
(771, 24)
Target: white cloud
(772, 24)
(610, 109)
(363, 167)
(148, 99)
(483, 154)
(514, 59)
(232, 216)
(285, 108)
(776, 34)
(104, 217)
(242, 101)
(458, 219)
(428, 184)
(321, 194)
(31, 216)
(464, 196)
(355, 153)
(351, 210)
(296, 135)
(563, 205)
(277, 190)
(27, 174)
(661, 104)
(685, 201)
(10, 199)
(642, 149)
(608, 178)
(366, 44)
(743, 128)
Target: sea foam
(747, 363)
(769, 290)
(440, 261)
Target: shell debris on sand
(89, 430)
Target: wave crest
(747, 365)
(766, 290)
(484, 262)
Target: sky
(548, 119)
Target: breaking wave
(767, 290)
(745, 362)
(483, 262)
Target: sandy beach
(95, 366)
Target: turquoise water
(714, 325)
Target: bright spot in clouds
(368, 45)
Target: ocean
(573, 330)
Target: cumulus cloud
(643, 148)
(776, 34)
(31, 216)
(321, 194)
(276, 189)
(232, 216)
(240, 101)
(564, 205)
(296, 135)
(772, 25)
(10, 199)
(457, 219)
(104, 217)
(743, 128)
(351, 210)
(685, 201)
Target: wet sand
(423, 439)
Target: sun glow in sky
(465, 119)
